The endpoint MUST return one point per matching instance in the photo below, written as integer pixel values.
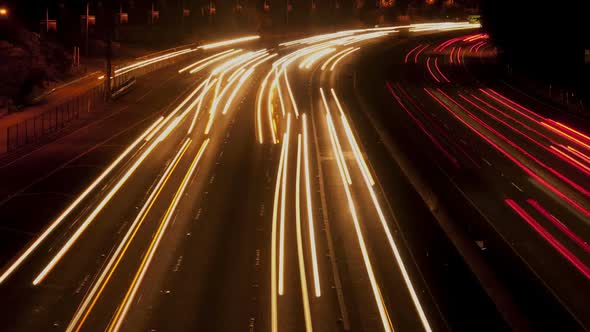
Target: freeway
(478, 132)
(261, 193)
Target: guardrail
(35, 129)
(38, 128)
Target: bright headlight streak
(352, 141)
(261, 56)
(334, 56)
(265, 58)
(212, 57)
(153, 128)
(64, 249)
(223, 93)
(213, 108)
(358, 155)
(385, 320)
(229, 42)
(199, 102)
(173, 113)
(228, 65)
(217, 98)
(160, 57)
(75, 203)
(315, 39)
(168, 129)
(160, 125)
(564, 134)
(318, 55)
(173, 125)
(277, 85)
(369, 184)
(445, 26)
(212, 61)
(236, 89)
(578, 153)
(310, 54)
(144, 63)
(283, 211)
(367, 36)
(132, 291)
(270, 108)
(99, 285)
(314, 256)
(273, 247)
(339, 156)
(235, 74)
(342, 57)
(259, 109)
(291, 56)
(293, 102)
(122, 71)
(300, 255)
(244, 63)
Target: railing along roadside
(36, 129)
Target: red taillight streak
(515, 119)
(451, 55)
(440, 72)
(514, 145)
(437, 127)
(560, 155)
(577, 162)
(512, 102)
(573, 236)
(418, 53)
(421, 126)
(476, 37)
(541, 120)
(579, 154)
(518, 163)
(446, 44)
(577, 133)
(410, 52)
(480, 46)
(471, 49)
(549, 238)
(430, 70)
(566, 135)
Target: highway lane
(376, 309)
(50, 173)
(214, 231)
(126, 207)
(405, 213)
(473, 163)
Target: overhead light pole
(86, 30)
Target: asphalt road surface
(333, 183)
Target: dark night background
(544, 41)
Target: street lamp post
(86, 31)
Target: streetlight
(3, 12)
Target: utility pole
(109, 20)
(86, 31)
(46, 19)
